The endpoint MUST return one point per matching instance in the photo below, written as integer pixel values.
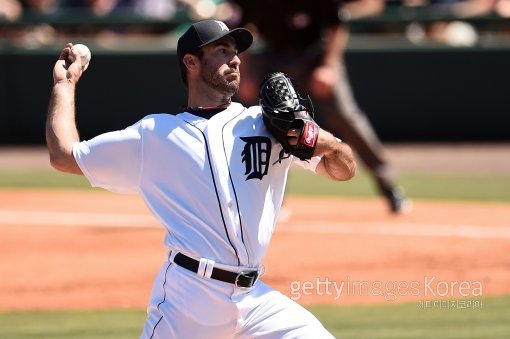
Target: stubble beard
(219, 82)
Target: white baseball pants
(186, 305)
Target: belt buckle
(252, 275)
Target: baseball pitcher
(214, 175)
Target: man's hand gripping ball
(287, 115)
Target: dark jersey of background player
(299, 28)
(306, 39)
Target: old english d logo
(256, 155)
(222, 25)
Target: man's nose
(235, 60)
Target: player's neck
(208, 100)
(203, 96)
(209, 105)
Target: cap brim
(242, 37)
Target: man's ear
(190, 61)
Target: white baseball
(84, 53)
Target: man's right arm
(61, 131)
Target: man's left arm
(337, 161)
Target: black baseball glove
(283, 109)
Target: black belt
(242, 279)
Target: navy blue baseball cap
(208, 31)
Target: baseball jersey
(215, 184)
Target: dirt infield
(93, 249)
(69, 250)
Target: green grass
(409, 320)
(41, 178)
(406, 320)
(72, 324)
(475, 187)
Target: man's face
(219, 66)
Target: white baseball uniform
(216, 184)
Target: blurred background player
(307, 40)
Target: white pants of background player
(186, 305)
